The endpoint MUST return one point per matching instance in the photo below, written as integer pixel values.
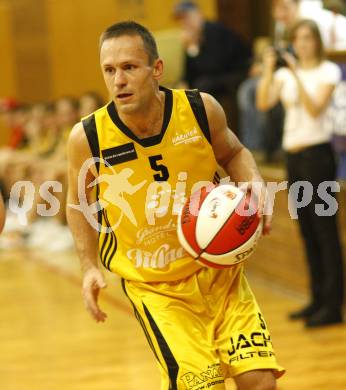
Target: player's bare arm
(85, 236)
(236, 160)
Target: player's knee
(258, 381)
(268, 384)
(265, 383)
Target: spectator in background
(89, 102)
(14, 117)
(55, 166)
(10, 112)
(263, 132)
(305, 88)
(42, 160)
(216, 59)
(332, 25)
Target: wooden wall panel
(74, 30)
(250, 18)
(30, 41)
(7, 69)
(51, 46)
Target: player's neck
(148, 121)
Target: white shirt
(300, 128)
(332, 26)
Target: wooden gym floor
(48, 341)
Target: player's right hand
(93, 281)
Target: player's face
(130, 79)
(304, 43)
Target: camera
(281, 62)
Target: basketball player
(153, 145)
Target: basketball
(219, 226)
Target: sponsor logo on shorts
(204, 380)
(256, 344)
(251, 354)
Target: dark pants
(320, 233)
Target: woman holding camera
(305, 87)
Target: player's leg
(176, 327)
(243, 338)
(256, 380)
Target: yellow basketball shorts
(203, 328)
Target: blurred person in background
(47, 127)
(14, 117)
(53, 167)
(9, 109)
(216, 58)
(263, 132)
(89, 102)
(39, 140)
(305, 87)
(332, 25)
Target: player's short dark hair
(132, 28)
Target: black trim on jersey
(149, 141)
(105, 254)
(141, 321)
(113, 240)
(89, 125)
(217, 178)
(198, 109)
(99, 213)
(106, 237)
(170, 361)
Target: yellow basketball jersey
(143, 183)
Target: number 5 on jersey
(163, 174)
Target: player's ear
(158, 69)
